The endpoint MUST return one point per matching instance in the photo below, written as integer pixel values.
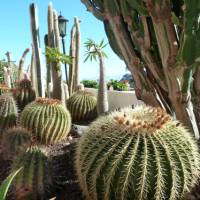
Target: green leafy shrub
(90, 83)
(139, 154)
(117, 85)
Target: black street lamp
(62, 25)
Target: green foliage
(137, 154)
(34, 179)
(7, 183)
(24, 93)
(94, 49)
(90, 83)
(8, 111)
(14, 142)
(54, 55)
(117, 85)
(82, 106)
(47, 119)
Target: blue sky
(15, 33)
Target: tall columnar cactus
(48, 120)
(21, 65)
(137, 154)
(53, 42)
(77, 51)
(37, 65)
(24, 93)
(72, 53)
(14, 142)
(8, 111)
(34, 179)
(83, 106)
(159, 42)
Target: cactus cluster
(14, 142)
(34, 179)
(137, 154)
(48, 120)
(83, 106)
(24, 93)
(8, 111)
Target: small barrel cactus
(8, 111)
(139, 154)
(47, 119)
(82, 106)
(4, 88)
(24, 93)
(14, 142)
(34, 179)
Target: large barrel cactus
(137, 154)
(48, 120)
(14, 142)
(82, 106)
(34, 180)
(24, 93)
(8, 111)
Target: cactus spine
(34, 179)
(15, 141)
(49, 121)
(24, 93)
(137, 154)
(8, 111)
(82, 106)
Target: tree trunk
(102, 101)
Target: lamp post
(62, 25)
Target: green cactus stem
(14, 142)
(34, 179)
(48, 120)
(24, 93)
(139, 154)
(8, 111)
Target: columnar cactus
(8, 111)
(83, 106)
(14, 142)
(24, 93)
(34, 179)
(137, 154)
(48, 120)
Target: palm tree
(94, 52)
